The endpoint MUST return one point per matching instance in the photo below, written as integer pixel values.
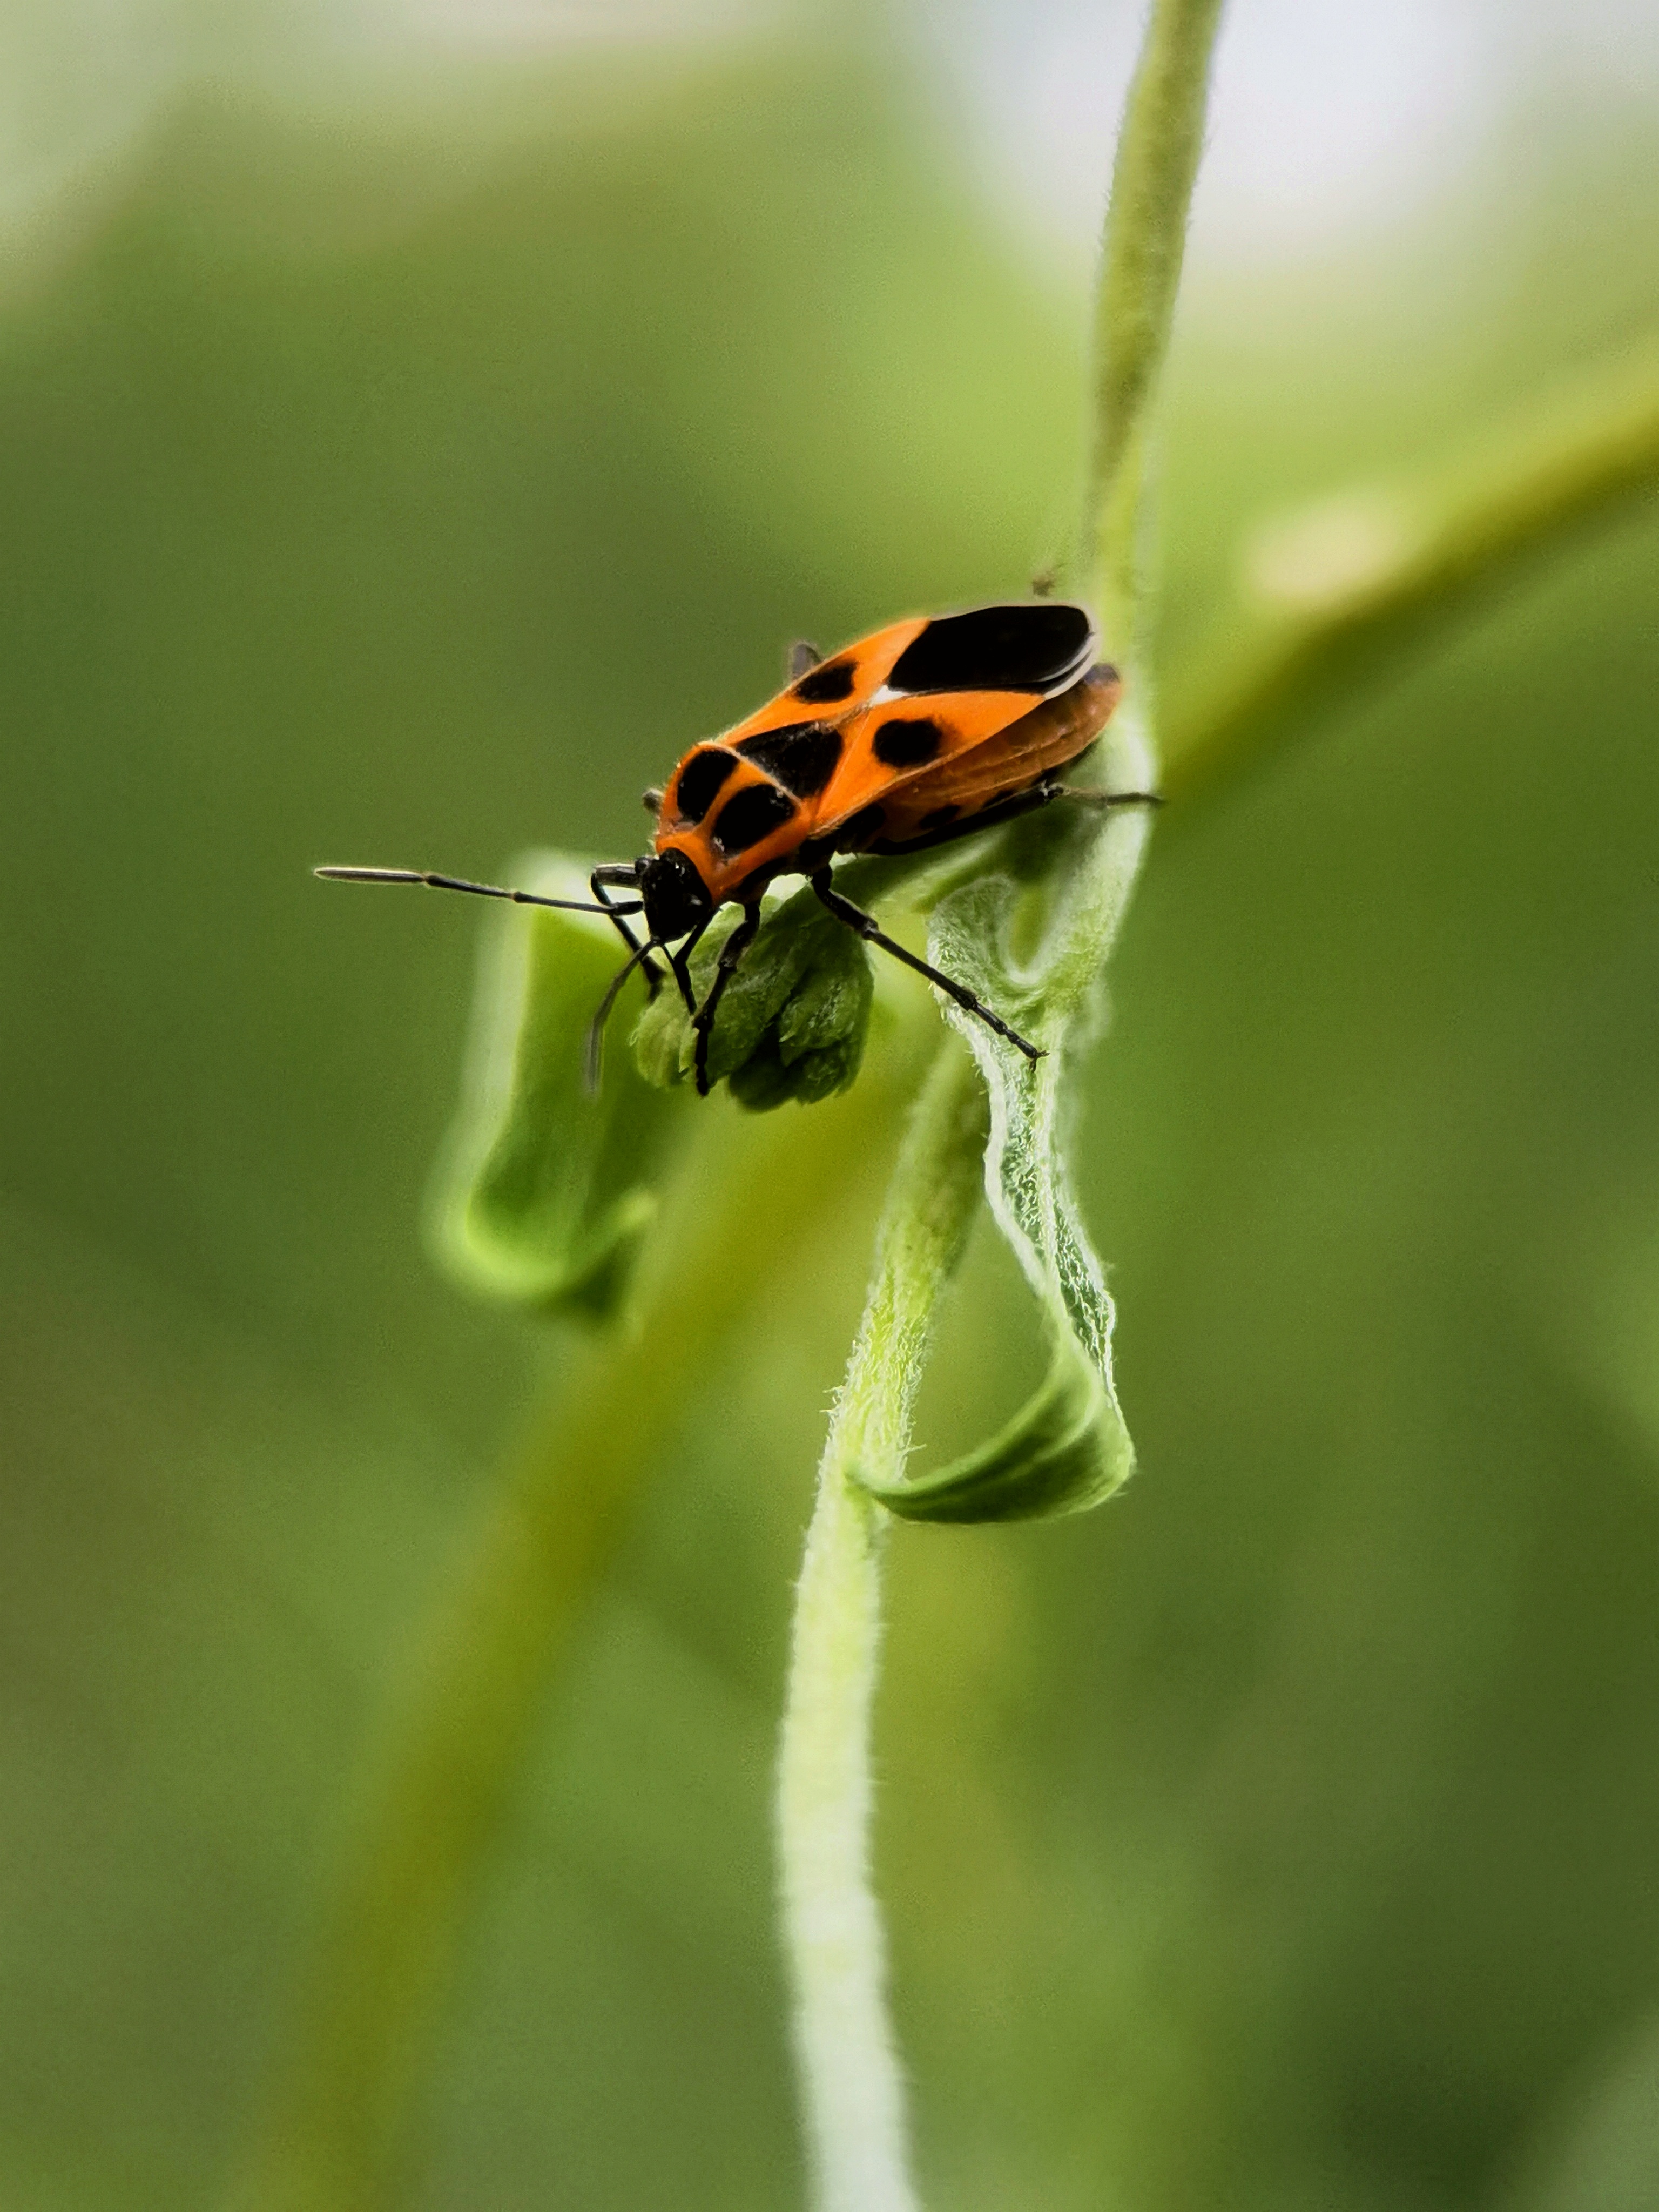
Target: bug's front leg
(624, 871)
(731, 953)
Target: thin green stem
(1360, 580)
(855, 2104)
(1146, 236)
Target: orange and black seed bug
(928, 730)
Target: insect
(929, 730)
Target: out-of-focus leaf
(546, 1188)
(792, 1020)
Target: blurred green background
(404, 464)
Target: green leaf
(793, 1022)
(545, 1190)
(1068, 1447)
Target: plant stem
(1364, 579)
(1146, 236)
(850, 2070)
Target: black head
(675, 897)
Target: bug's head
(675, 896)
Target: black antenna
(596, 1027)
(480, 891)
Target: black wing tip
(1015, 645)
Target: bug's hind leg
(622, 872)
(970, 825)
(870, 930)
(731, 953)
(1010, 810)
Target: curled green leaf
(1064, 1450)
(793, 1018)
(1068, 1447)
(546, 1189)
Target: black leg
(620, 872)
(596, 1027)
(731, 953)
(680, 962)
(865, 924)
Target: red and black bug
(928, 730)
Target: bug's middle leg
(731, 953)
(871, 931)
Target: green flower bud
(792, 1021)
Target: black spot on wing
(822, 686)
(902, 743)
(700, 782)
(802, 757)
(749, 815)
(1007, 648)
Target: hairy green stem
(1359, 580)
(1145, 237)
(853, 2094)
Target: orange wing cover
(897, 737)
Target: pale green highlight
(1355, 584)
